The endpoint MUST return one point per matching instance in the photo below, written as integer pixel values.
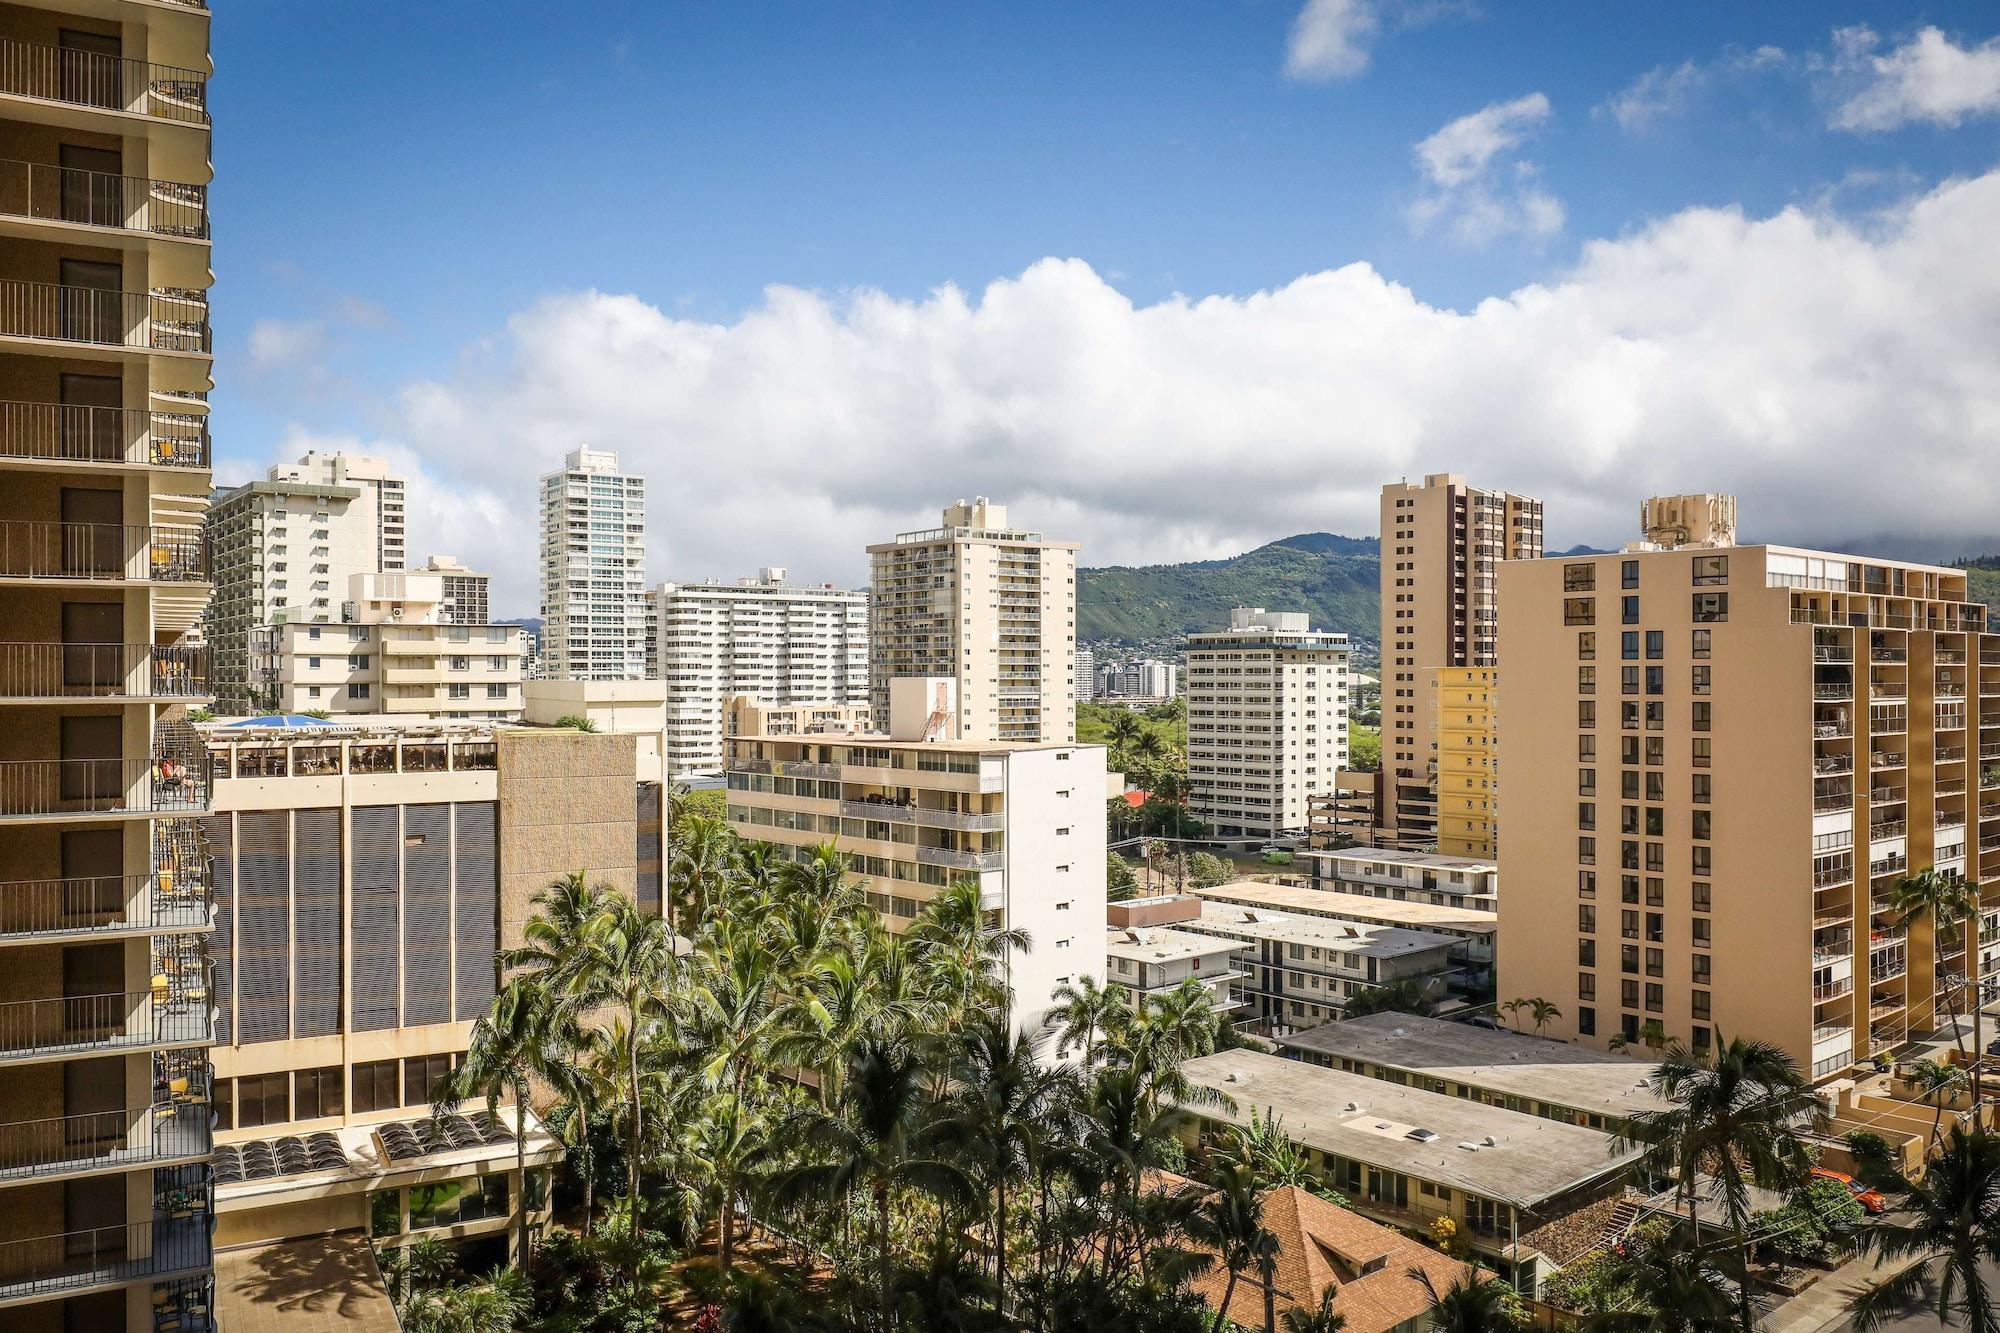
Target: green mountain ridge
(1332, 578)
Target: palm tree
(509, 1044)
(1082, 1010)
(627, 959)
(881, 1139)
(1273, 1158)
(1408, 996)
(1946, 1222)
(1947, 902)
(1230, 1222)
(1475, 1302)
(1734, 1117)
(965, 950)
(1666, 1282)
(563, 913)
(1936, 1082)
(1002, 1091)
(705, 851)
(1321, 1318)
(499, 1306)
(1512, 1008)
(1541, 1013)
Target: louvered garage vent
(316, 928)
(378, 844)
(478, 899)
(263, 927)
(426, 914)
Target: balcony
(33, 1030)
(107, 1141)
(104, 1257)
(40, 911)
(1833, 693)
(162, 320)
(101, 671)
(954, 859)
(102, 82)
(38, 788)
(929, 818)
(60, 433)
(1883, 760)
(43, 192)
(1888, 828)
(101, 552)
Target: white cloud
(1837, 377)
(1476, 196)
(285, 344)
(1330, 39)
(1928, 78)
(1670, 90)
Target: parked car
(1871, 1200)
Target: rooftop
(1395, 856)
(1161, 944)
(1508, 1156)
(1512, 1063)
(1356, 937)
(1352, 906)
(875, 740)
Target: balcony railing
(101, 670)
(51, 193)
(106, 82)
(957, 860)
(105, 1256)
(158, 321)
(151, 1135)
(99, 786)
(62, 433)
(916, 814)
(73, 1023)
(32, 909)
(108, 551)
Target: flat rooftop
(1529, 1160)
(1352, 906)
(877, 741)
(1505, 1062)
(1395, 856)
(1320, 932)
(1161, 944)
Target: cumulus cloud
(1330, 39)
(285, 344)
(1480, 189)
(1836, 376)
(1670, 90)
(1929, 78)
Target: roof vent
(1421, 1135)
(1470, 1146)
(1489, 1142)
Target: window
(1586, 883)
(1701, 752)
(1701, 925)
(498, 663)
(1586, 782)
(461, 664)
(1710, 569)
(1656, 680)
(357, 661)
(1656, 645)
(1628, 645)
(1579, 578)
(1586, 815)
(1586, 918)
(1586, 985)
(1702, 824)
(374, 1086)
(1703, 713)
(316, 1093)
(1701, 966)
(1586, 680)
(1586, 1022)
(496, 691)
(263, 1099)
(458, 690)
(1628, 573)
(1586, 646)
(421, 1077)
(1699, 684)
(1628, 680)
(1628, 994)
(1700, 1005)
(1586, 953)
(359, 691)
(1586, 851)
(1700, 891)
(1586, 749)
(1701, 860)
(1701, 643)
(1579, 610)
(1586, 714)
(1711, 607)
(385, 1213)
(1628, 610)
(1656, 998)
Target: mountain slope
(1330, 577)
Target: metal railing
(916, 814)
(107, 82)
(32, 1149)
(63, 433)
(31, 908)
(70, 1023)
(99, 786)
(104, 1255)
(957, 860)
(110, 551)
(52, 193)
(101, 670)
(159, 321)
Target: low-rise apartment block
(1146, 962)
(1299, 971)
(1267, 721)
(915, 810)
(1417, 877)
(1475, 930)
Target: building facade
(468, 596)
(105, 1015)
(1300, 971)
(988, 606)
(1468, 715)
(1442, 543)
(1267, 721)
(1144, 963)
(1085, 675)
(594, 603)
(778, 642)
(381, 502)
(1415, 877)
(1722, 759)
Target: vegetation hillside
(1332, 578)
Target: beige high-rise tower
(105, 908)
(990, 607)
(1720, 760)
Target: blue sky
(396, 183)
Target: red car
(1871, 1200)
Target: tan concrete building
(1468, 740)
(916, 810)
(1720, 760)
(1442, 543)
(988, 606)
(105, 364)
(745, 715)
(1267, 721)
(1418, 877)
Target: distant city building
(746, 715)
(594, 603)
(1085, 675)
(1415, 877)
(1468, 706)
(991, 608)
(381, 503)
(1267, 721)
(781, 643)
(467, 595)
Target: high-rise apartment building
(1267, 721)
(594, 603)
(381, 500)
(990, 607)
(1442, 543)
(779, 642)
(468, 598)
(1148, 678)
(105, 1010)
(1719, 760)
(1468, 771)
(1085, 675)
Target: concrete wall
(568, 801)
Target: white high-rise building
(1085, 675)
(781, 643)
(380, 504)
(594, 603)
(1267, 721)
(991, 608)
